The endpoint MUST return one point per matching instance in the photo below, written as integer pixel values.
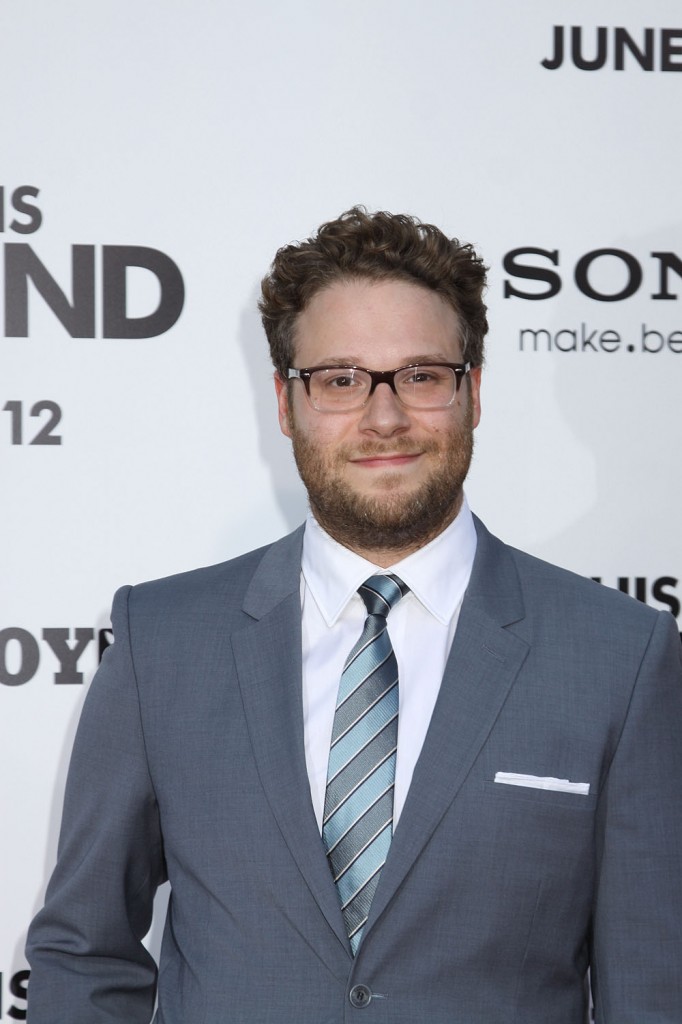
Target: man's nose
(383, 413)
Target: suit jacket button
(360, 996)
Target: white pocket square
(541, 782)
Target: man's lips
(385, 460)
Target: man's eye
(421, 377)
(341, 380)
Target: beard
(390, 519)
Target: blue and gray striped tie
(358, 808)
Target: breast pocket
(539, 799)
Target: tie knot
(381, 593)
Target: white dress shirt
(421, 628)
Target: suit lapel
(483, 664)
(484, 661)
(267, 654)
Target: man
(529, 828)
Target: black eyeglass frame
(460, 371)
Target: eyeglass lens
(422, 387)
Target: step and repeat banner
(156, 154)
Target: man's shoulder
(568, 585)
(550, 589)
(224, 583)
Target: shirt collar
(437, 574)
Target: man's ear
(475, 378)
(282, 392)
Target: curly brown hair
(374, 246)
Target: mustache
(397, 446)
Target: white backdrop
(214, 132)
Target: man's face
(385, 479)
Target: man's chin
(388, 521)
(387, 486)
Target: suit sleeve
(87, 960)
(637, 932)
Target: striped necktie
(358, 809)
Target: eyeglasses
(417, 386)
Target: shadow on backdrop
(274, 448)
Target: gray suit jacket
(495, 899)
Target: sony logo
(520, 264)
